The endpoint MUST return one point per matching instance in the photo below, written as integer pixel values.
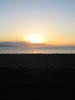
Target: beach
(37, 75)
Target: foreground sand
(37, 76)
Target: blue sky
(53, 19)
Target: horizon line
(38, 44)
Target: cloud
(30, 45)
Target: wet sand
(37, 76)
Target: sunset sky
(42, 21)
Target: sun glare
(35, 38)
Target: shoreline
(38, 59)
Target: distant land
(27, 44)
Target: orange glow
(35, 38)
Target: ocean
(24, 50)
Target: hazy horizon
(29, 44)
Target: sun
(35, 38)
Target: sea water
(24, 50)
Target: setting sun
(35, 38)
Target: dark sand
(37, 76)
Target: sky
(52, 20)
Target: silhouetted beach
(37, 76)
